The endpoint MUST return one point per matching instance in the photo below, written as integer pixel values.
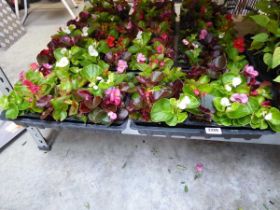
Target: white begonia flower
(139, 35)
(99, 78)
(63, 50)
(66, 30)
(236, 81)
(225, 102)
(95, 87)
(184, 103)
(62, 62)
(228, 88)
(268, 116)
(195, 45)
(221, 35)
(85, 31)
(92, 51)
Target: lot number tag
(213, 131)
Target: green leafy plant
(268, 40)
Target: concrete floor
(88, 170)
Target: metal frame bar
(23, 19)
(6, 88)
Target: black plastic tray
(34, 120)
(192, 128)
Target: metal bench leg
(39, 139)
(74, 3)
(6, 88)
(68, 8)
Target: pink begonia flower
(203, 34)
(46, 69)
(141, 58)
(112, 116)
(114, 95)
(21, 75)
(196, 92)
(129, 25)
(254, 93)
(209, 24)
(34, 66)
(250, 71)
(266, 103)
(164, 36)
(162, 64)
(159, 49)
(122, 66)
(185, 42)
(156, 61)
(199, 167)
(241, 98)
(31, 86)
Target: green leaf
(60, 106)
(204, 79)
(222, 120)
(276, 58)
(74, 108)
(144, 67)
(181, 117)
(228, 77)
(103, 65)
(114, 33)
(103, 47)
(162, 111)
(238, 111)
(91, 72)
(4, 102)
(76, 51)
(65, 86)
(267, 59)
(242, 121)
(134, 49)
(34, 76)
(75, 69)
(261, 37)
(59, 115)
(13, 112)
(146, 36)
(58, 54)
(275, 116)
(277, 79)
(24, 105)
(261, 20)
(62, 73)
(272, 26)
(194, 102)
(217, 104)
(99, 116)
(275, 128)
(259, 40)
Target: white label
(213, 131)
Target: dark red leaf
(84, 94)
(44, 101)
(83, 109)
(93, 103)
(46, 113)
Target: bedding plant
(116, 61)
(265, 44)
